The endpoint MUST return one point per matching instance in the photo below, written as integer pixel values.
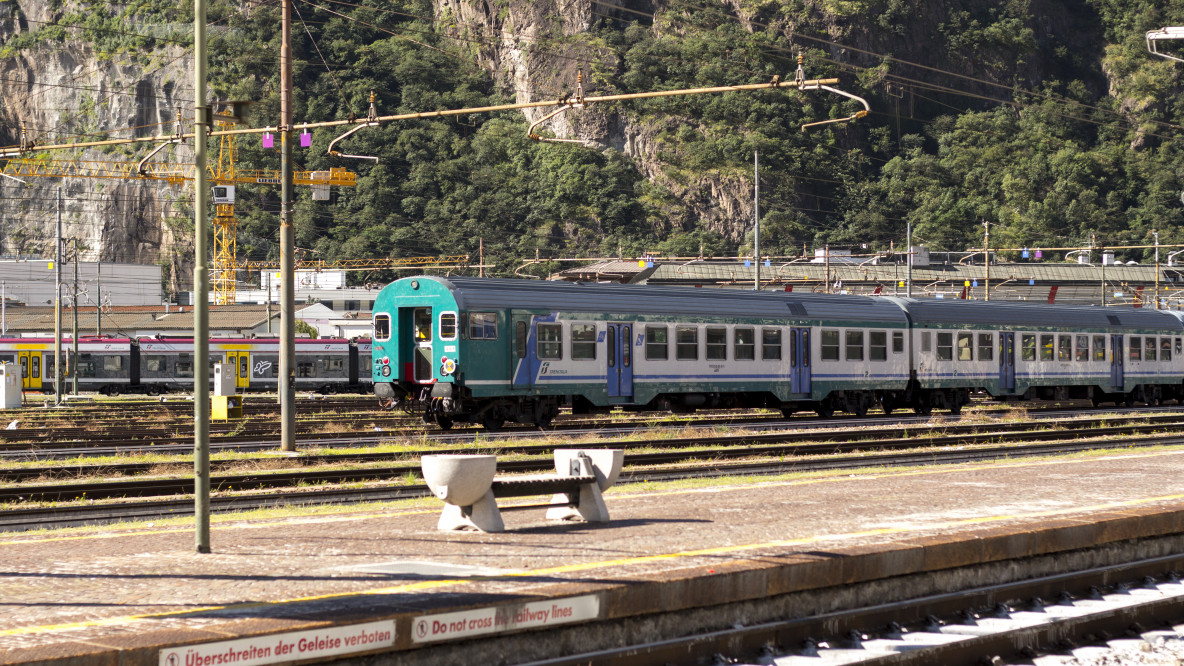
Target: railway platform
(387, 587)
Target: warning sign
(276, 648)
(448, 626)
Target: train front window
(423, 324)
(382, 327)
(448, 326)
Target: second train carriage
(489, 351)
(159, 365)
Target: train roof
(1010, 313)
(493, 293)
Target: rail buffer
(469, 488)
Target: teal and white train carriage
(489, 351)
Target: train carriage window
(550, 342)
(86, 365)
(447, 325)
(1165, 349)
(877, 346)
(986, 346)
(1028, 347)
(1065, 348)
(898, 342)
(1136, 351)
(926, 342)
(945, 346)
(627, 347)
(966, 346)
(1082, 351)
(8, 359)
(1099, 348)
(49, 367)
(1047, 347)
(113, 363)
(830, 345)
(36, 371)
(657, 343)
(744, 345)
(686, 346)
(854, 345)
(770, 344)
(422, 320)
(184, 366)
(265, 366)
(717, 343)
(154, 364)
(306, 369)
(1179, 351)
(520, 337)
(583, 342)
(331, 364)
(1149, 350)
(483, 326)
(382, 327)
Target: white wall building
(32, 282)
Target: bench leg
(483, 515)
(590, 506)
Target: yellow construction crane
(450, 261)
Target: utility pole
(908, 241)
(826, 260)
(74, 337)
(987, 259)
(481, 257)
(756, 218)
(99, 299)
(1155, 233)
(287, 243)
(57, 308)
(201, 289)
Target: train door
(30, 369)
(524, 363)
(1007, 361)
(619, 359)
(1117, 354)
(422, 321)
(241, 363)
(799, 360)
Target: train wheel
(787, 411)
(492, 424)
(859, 408)
(824, 411)
(923, 407)
(1129, 399)
(956, 408)
(444, 422)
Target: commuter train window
(520, 337)
(306, 369)
(184, 366)
(1065, 348)
(1047, 347)
(945, 346)
(898, 342)
(1099, 348)
(583, 342)
(1165, 349)
(1136, 351)
(657, 343)
(154, 363)
(830, 345)
(770, 344)
(744, 344)
(717, 343)
(926, 342)
(1149, 350)
(483, 326)
(49, 367)
(334, 364)
(382, 327)
(86, 365)
(966, 346)
(1028, 347)
(447, 325)
(854, 345)
(268, 366)
(686, 347)
(1179, 351)
(1081, 353)
(877, 345)
(550, 342)
(113, 363)
(986, 346)
(422, 320)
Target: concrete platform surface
(386, 583)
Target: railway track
(665, 466)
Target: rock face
(65, 92)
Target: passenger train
(489, 351)
(160, 365)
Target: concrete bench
(469, 488)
